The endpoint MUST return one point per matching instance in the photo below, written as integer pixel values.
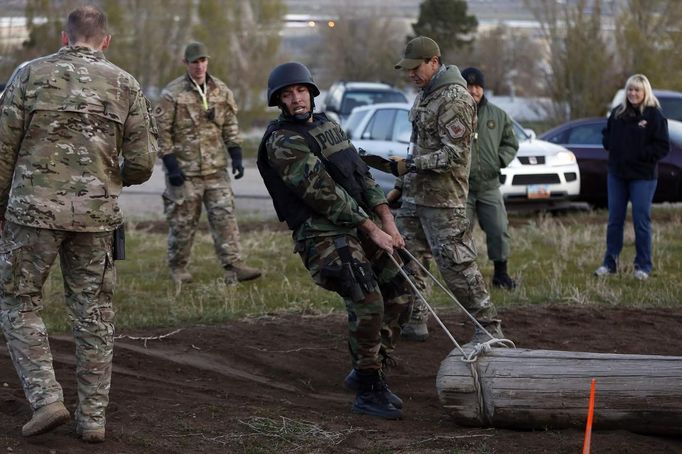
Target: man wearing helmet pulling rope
(342, 229)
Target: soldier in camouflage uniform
(197, 118)
(74, 129)
(342, 228)
(435, 195)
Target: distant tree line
(149, 38)
(578, 57)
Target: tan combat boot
(479, 337)
(415, 331)
(95, 435)
(238, 272)
(45, 419)
(180, 275)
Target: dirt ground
(273, 384)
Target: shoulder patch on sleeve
(456, 129)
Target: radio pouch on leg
(356, 279)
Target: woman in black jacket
(636, 138)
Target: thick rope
(474, 354)
(472, 357)
(428, 306)
(478, 387)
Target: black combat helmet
(289, 74)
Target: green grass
(552, 258)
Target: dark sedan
(583, 138)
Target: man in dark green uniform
(494, 147)
(342, 228)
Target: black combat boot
(370, 398)
(500, 278)
(352, 383)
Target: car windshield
(354, 99)
(519, 132)
(672, 108)
(354, 120)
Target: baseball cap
(195, 51)
(416, 51)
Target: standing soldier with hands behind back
(197, 118)
(444, 123)
(65, 121)
(494, 148)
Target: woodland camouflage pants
(376, 314)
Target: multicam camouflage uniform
(199, 139)
(444, 119)
(65, 121)
(375, 316)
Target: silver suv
(342, 97)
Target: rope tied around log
(471, 359)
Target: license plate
(538, 191)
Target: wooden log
(539, 389)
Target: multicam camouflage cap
(416, 51)
(195, 51)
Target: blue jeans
(641, 194)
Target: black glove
(175, 175)
(401, 166)
(237, 167)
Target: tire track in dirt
(211, 363)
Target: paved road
(144, 201)
(252, 199)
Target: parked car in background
(584, 138)
(542, 174)
(342, 97)
(671, 103)
(14, 73)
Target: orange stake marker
(590, 415)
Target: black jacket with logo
(636, 142)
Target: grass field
(552, 258)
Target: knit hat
(474, 76)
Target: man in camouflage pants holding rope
(433, 214)
(342, 228)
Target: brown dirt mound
(273, 384)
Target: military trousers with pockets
(182, 206)
(26, 256)
(444, 233)
(383, 305)
(488, 208)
